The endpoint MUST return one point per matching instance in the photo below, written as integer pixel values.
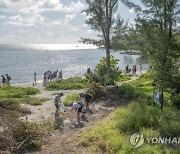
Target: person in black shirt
(3, 80)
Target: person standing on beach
(3, 80)
(60, 75)
(34, 83)
(57, 102)
(127, 69)
(140, 69)
(8, 78)
(135, 70)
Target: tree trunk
(107, 42)
(107, 54)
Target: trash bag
(61, 107)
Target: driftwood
(22, 142)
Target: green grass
(71, 98)
(17, 92)
(11, 97)
(138, 115)
(67, 84)
(124, 78)
(125, 121)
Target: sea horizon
(45, 46)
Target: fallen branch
(22, 143)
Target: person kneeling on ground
(57, 102)
(78, 108)
(87, 98)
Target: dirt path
(61, 140)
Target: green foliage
(67, 84)
(98, 91)
(157, 36)
(104, 75)
(176, 101)
(17, 92)
(74, 97)
(124, 77)
(135, 117)
(11, 98)
(124, 36)
(99, 21)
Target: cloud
(74, 29)
(85, 25)
(2, 17)
(89, 31)
(52, 5)
(14, 23)
(37, 18)
(69, 17)
(17, 18)
(131, 10)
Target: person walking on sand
(35, 76)
(3, 80)
(57, 102)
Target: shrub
(98, 91)
(176, 101)
(102, 74)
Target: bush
(102, 74)
(98, 91)
(67, 84)
(176, 101)
(129, 92)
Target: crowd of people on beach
(49, 76)
(5, 80)
(52, 75)
(133, 71)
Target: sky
(48, 21)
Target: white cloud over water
(43, 21)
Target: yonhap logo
(137, 140)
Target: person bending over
(78, 108)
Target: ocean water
(21, 61)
